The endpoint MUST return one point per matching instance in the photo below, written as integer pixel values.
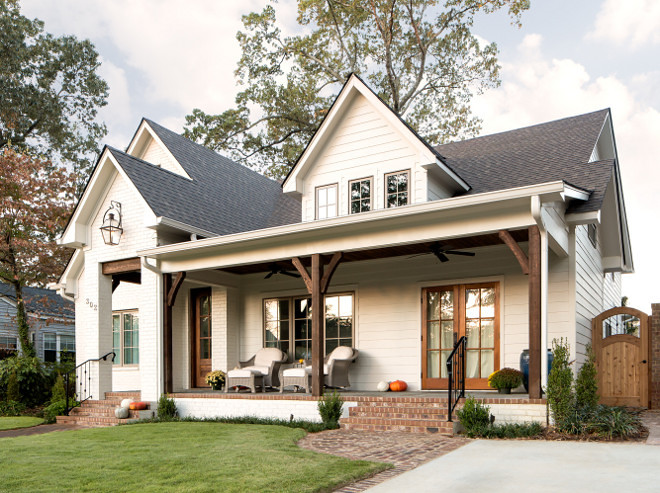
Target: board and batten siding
(388, 308)
(364, 145)
(595, 291)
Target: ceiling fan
(278, 269)
(441, 252)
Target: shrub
(513, 430)
(561, 398)
(330, 408)
(58, 392)
(34, 381)
(166, 408)
(13, 392)
(11, 408)
(506, 378)
(474, 416)
(54, 409)
(586, 383)
(612, 422)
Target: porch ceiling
(463, 243)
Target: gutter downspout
(63, 294)
(159, 324)
(537, 209)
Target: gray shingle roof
(553, 151)
(223, 197)
(40, 301)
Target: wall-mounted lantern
(111, 228)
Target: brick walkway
(651, 420)
(37, 430)
(405, 450)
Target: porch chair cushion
(261, 370)
(266, 356)
(295, 372)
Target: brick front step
(434, 411)
(136, 396)
(100, 412)
(92, 421)
(442, 428)
(93, 413)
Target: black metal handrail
(82, 376)
(456, 375)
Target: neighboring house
(50, 317)
(201, 275)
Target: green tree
(50, 92)
(420, 57)
(35, 201)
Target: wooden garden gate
(621, 344)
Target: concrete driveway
(535, 466)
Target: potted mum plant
(505, 379)
(216, 379)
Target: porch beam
(167, 332)
(506, 238)
(121, 266)
(534, 313)
(303, 272)
(317, 326)
(330, 270)
(174, 289)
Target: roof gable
(39, 302)
(147, 146)
(353, 89)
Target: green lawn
(19, 422)
(173, 457)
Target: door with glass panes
(201, 336)
(450, 312)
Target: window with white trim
(360, 195)
(326, 202)
(288, 324)
(397, 189)
(67, 348)
(8, 343)
(50, 348)
(125, 338)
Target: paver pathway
(405, 450)
(37, 430)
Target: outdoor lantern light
(111, 229)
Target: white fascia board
(438, 168)
(144, 131)
(313, 228)
(71, 272)
(173, 223)
(577, 218)
(576, 193)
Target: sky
(162, 58)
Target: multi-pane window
(326, 202)
(125, 338)
(288, 324)
(360, 195)
(397, 189)
(67, 348)
(8, 343)
(592, 233)
(50, 348)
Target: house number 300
(92, 305)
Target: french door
(201, 336)
(450, 312)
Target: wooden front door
(620, 344)
(449, 312)
(201, 336)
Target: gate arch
(620, 339)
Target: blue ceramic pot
(524, 366)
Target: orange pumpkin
(398, 386)
(138, 406)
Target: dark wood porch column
(317, 285)
(170, 290)
(531, 265)
(534, 255)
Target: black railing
(456, 375)
(82, 382)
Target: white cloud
(537, 89)
(631, 21)
(118, 113)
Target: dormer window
(360, 194)
(326, 201)
(397, 191)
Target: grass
(175, 456)
(13, 423)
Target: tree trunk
(21, 320)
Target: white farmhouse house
(512, 240)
